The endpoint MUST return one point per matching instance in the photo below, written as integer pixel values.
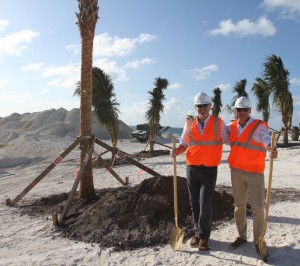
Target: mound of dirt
(128, 218)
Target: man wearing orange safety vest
(202, 138)
(249, 140)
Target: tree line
(271, 89)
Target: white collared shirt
(261, 135)
(201, 130)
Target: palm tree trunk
(87, 184)
(87, 19)
(151, 137)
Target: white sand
(30, 241)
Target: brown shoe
(238, 242)
(194, 241)
(203, 245)
(257, 249)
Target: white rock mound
(59, 123)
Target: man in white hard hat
(249, 140)
(202, 139)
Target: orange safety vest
(207, 149)
(247, 154)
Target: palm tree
(240, 90)
(278, 79)
(262, 92)
(104, 103)
(217, 102)
(87, 20)
(155, 107)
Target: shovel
(176, 233)
(261, 241)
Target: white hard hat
(243, 102)
(202, 98)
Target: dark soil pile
(130, 218)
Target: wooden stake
(54, 218)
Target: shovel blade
(176, 238)
(263, 249)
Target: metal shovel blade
(263, 249)
(176, 238)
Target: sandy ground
(26, 240)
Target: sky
(196, 45)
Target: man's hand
(174, 152)
(272, 152)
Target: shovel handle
(268, 196)
(175, 187)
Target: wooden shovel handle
(268, 196)
(175, 186)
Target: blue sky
(196, 45)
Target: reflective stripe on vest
(248, 145)
(204, 149)
(204, 143)
(246, 153)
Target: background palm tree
(262, 92)
(87, 19)
(104, 102)
(155, 108)
(278, 81)
(217, 102)
(239, 90)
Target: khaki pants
(241, 182)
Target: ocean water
(174, 131)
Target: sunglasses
(242, 109)
(202, 105)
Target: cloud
(134, 114)
(225, 87)
(170, 104)
(34, 67)
(107, 46)
(144, 37)
(3, 82)
(295, 81)
(14, 44)
(67, 75)
(245, 27)
(137, 63)
(202, 73)
(175, 86)
(3, 24)
(111, 68)
(74, 47)
(15, 99)
(44, 91)
(287, 8)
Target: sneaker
(203, 245)
(238, 242)
(194, 241)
